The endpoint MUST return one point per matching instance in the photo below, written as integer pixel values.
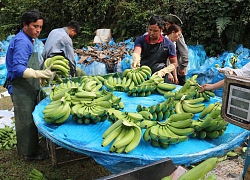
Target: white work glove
(226, 71)
(161, 73)
(136, 61)
(45, 74)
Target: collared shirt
(167, 44)
(19, 51)
(59, 43)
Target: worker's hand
(161, 73)
(136, 61)
(46, 74)
(176, 80)
(171, 77)
(182, 72)
(205, 87)
(226, 71)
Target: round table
(87, 139)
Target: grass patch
(13, 167)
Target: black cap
(172, 19)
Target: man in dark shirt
(153, 50)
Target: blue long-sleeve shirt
(17, 56)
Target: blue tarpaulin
(87, 139)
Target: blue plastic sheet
(206, 69)
(126, 62)
(196, 56)
(38, 47)
(87, 139)
(95, 68)
(3, 74)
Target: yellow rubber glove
(45, 74)
(161, 73)
(136, 61)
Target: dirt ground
(5, 102)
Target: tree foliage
(216, 24)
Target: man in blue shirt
(59, 42)
(153, 50)
(23, 83)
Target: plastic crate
(156, 170)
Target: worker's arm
(172, 66)
(46, 74)
(136, 56)
(214, 86)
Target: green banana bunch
(211, 125)
(190, 90)
(36, 175)
(133, 117)
(57, 92)
(116, 102)
(124, 136)
(141, 83)
(179, 95)
(205, 94)
(104, 95)
(114, 115)
(57, 111)
(88, 113)
(92, 107)
(146, 114)
(117, 83)
(213, 109)
(158, 112)
(161, 135)
(179, 117)
(163, 88)
(60, 65)
(143, 89)
(207, 110)
(110, 83)
(144, 124)
(91, 85)
(181, 131)
(84, 79)
(8, 138)
(189, 106)
(175, 138)
(187, 91)
(138, 75)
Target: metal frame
(55, 159)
